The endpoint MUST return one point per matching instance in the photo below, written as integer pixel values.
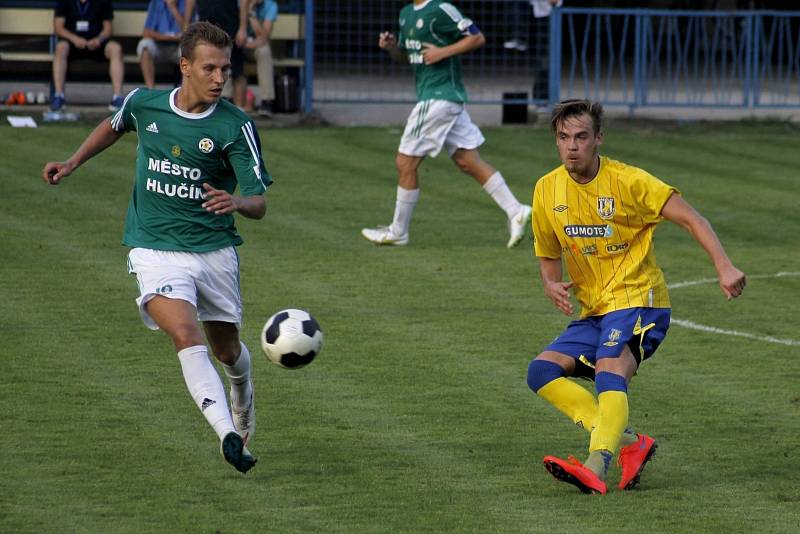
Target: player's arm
(434, 54)
(387, 41)
(221, 202)
(101, 138)
(555, 288)
(731, 280)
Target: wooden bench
(27, 35)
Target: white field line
(715, 330)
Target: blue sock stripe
(606, 381)
(542, 372)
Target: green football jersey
(441, 24)
(177, 153)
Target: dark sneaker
(632, 460)
(574, 472)
(116, 103)
(232, 449)
(265, 109)
(58, 102)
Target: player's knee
(186, 335)
(542, 372)
(464, 163)
(605, 381)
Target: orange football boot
(575, 473)
(633, 458)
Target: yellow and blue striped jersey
(603, 231)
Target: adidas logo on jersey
(152, 128)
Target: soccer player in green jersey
(193, 151)
(433, 34)
(597, 216)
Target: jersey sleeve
(650, 194)
(60, 9)
(545, 241)
(107, 11)
(454, 25)
(244, 155)
(124, 120)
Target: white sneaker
(384, 236)
(518, 226)
(245, 421)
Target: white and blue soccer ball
(291, 338)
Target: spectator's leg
(60, 66)
(240, 91)
(116, 69)
(541, 58)
(266, 82)
(148, 65)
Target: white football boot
(245, 421)
(518, 226)
(383, 235)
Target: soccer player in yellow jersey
(597, 216)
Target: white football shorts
(434, 124)
(208, 280)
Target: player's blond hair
(203, 32)
(574, 107)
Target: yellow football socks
(573, 400)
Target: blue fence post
(308, 67)
(640, 68)
(554, 71)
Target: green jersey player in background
(193, 151)
(432, 36)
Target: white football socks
(403, 208)
(239, 376)
(206, 388)
(498, 189)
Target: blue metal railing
(644, 57)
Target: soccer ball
(291, 338)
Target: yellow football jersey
(603, 231)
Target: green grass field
(416, 416)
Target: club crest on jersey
(206, 145)
(176, 151)
(606, 207)
(420, 24)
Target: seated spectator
(162, 32)
(263, 14)
(84, 29)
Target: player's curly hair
(574, 107)
(205, 33)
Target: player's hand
(80, 43)
(387, 40)
(558, 293)
(55, 171)
(732, 282)
(432, 53)
(93, 44)
(219, 201)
